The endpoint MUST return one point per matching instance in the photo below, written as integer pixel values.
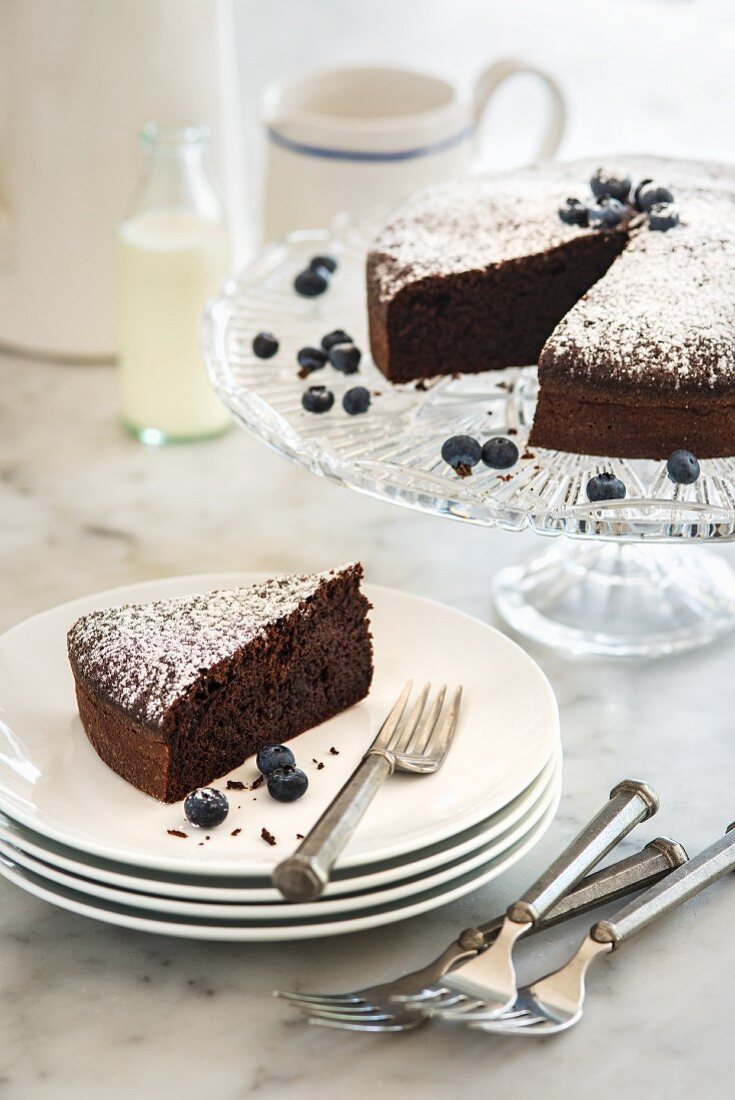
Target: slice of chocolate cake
(176, 693)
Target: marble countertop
(89, 1011)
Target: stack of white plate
(75, 834)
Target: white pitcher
(354, 138)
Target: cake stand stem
(602, 599)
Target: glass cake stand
(632, 578)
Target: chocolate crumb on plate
(334, 752)
(299, 836)
(235, 785)
(235, 832)
(319, 766)
(258, 783)
(177, 832)
(267, 837)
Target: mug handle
(490, 80)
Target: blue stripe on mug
(367, 157)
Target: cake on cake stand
(632, 578)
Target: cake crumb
(267, 837)
(334, 751)
(177, 832)
(463, 471)
(319, 766)
(505, 477)
(258, 783)
(420, 385)
(299, 836)
(235, 785)
(512, 431)
(528, 454)
(235, 832)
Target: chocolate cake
(633, 329)
(177, 693)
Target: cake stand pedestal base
(599, 599)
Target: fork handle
(303, 875)
(683, 883)
(634, 872)
(629, 803)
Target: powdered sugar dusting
(664, 311)
(143, 656)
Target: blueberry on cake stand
(631, 579)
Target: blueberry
(606, 214)
(605, 487)
(662, 216)
(339, 336)
(310, 359)
(461, 452)
(323, 263)
(648, 193)
(500, 453)
(573, 212)
(607, 185)
(287, 784)
(271, 757)
(310, 283)
(206, 808)
(317, 399)
(356, 400)
(682, 467)
(345, 358)
(265, 345)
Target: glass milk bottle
(173, 256)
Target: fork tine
(388, 729)
(371, 1015)
(318, 998)
(404, 735)
(345, 1026)
(423, 733)
(441, 738)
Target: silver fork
(419, 744)
(486, 986)
(375, 1009)
(555, 1002)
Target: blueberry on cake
(618, 284)
(176, 693)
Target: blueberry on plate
(682, 467)
(323, 263)
(310, 283)
(648, 193)
(345, 358)
(573, 212)
(663, 216)
(356, 400)
(461, 452)
(339, 336)
(605, 486)
(271, 757)
(606, 214)
(608, 185)
(287, 784)
(317, 399)
(206, 808)
(499, 453)
(310, 359)
(265, 345)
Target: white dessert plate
(241, 889)
(282, 910)
(250, 931)
(52, 781)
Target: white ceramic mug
(353, 138)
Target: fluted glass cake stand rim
(393, 452)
